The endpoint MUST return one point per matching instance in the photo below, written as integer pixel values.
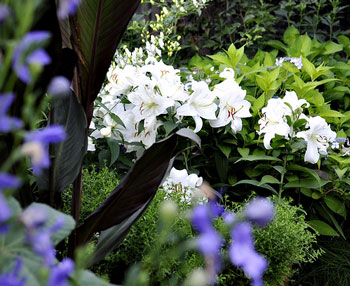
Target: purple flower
(36, 146)
(59, 86)
(260, 211)
(67, 7)
(243, 254)
(28, 51)
(12, 279)
(34, 217)
(7, 123)
(8, 181)
(209, 241)
(4, 13)
(59, 274)
(41, 242)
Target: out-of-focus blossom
(67, 7)
(337, 142)
(317, 137)
(209, 241)
(59, 273)
(34, 217)
(199, 105)
(13, 279)
(260, 211)
(59, 86)
(36, 145)
(4, 13)
(28, 52)
(40, 240)
(232, 104)
(6, 122)
(298, 62)
(243, 254)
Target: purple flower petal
(34, 217)
(5, 210)
(7, 123)
(27, 47)
(200, 218)
(12, 279)
(243, 254)
(4, 13)
(260, 211)
(8, 181)
(39, 57)
(67, 7)
(38, 149)
(59, 274)
(59, 86)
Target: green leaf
(94, 33)
(277, 45)
(135, 189)
(257, 184)
(69, 154)
(226, 150)
(307, 171)
(222, 58)
(88, 278)
(306, 183)
(330, 47)
(335, 205)
(258, 103)
(221, 164)
(290, 36)
(330, 113)
(252, 158)
(322, 228)
(268, 179)
(243, 151)
(114, 150)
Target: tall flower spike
(6, 122)
(260, 211)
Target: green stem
(282, 178)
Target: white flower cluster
(188, 185)
(153, 89)
(274, 121)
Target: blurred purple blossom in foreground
(36, 146)
(209, 241)
(59, 273)
(243, 254)
(59, 86)
(67, 7)
(4, 13)
(260, 211)
(28, 51)
(6, 181)
(241, 250)
(6, 122)
(13, 279)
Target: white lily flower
(91, 146)
(232, 104)
(181, 181)
(317, 138)
(273, 121)
(199, 105)
(292, 99)
(148, 102)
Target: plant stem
(282, 178)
